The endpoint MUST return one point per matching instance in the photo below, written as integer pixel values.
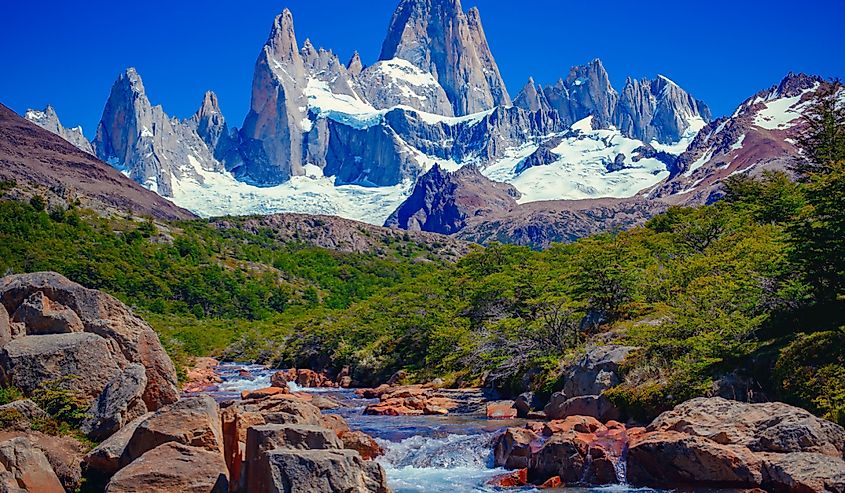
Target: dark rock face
(330, 471)
(438, 37)
(441, 202)
(120, 402)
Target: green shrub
(63, 404)
(10, 394)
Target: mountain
(41, 162)
(439, 38)
(442, 202)
(760, 135)
(49, 120)
(657, 110)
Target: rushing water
(430, 454)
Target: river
(430, 454)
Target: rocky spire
(127, 116)
(272, 130)
(438, 37)
(532, 98)
(657, 110)
(590, 93)
(355, 66)
(211, 125)
(48, 119)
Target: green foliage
(10, 394)
(811, 373)
(823, 141)
(61, 403)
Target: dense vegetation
(749, 290)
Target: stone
(551, 483)
(279, 379)
(128, 337)
(803, 472)
(120, 402)
(202, 376)
(263, 393)
(501, 410)
(49, 120)
(362, 443)
(173, 467)
(764, 427)
(516, 479)
(665, 458)
(5, 327)
(595, 372)
(326, 471)
(193, 421)
(80, 362)
(42, 316)
(28, 410)
(596, 406)
(526, 403)
(104, 460)
(29, 467)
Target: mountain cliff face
(657, 110)
(759, 136)
(49, 120)
(439, 38)
(442, 202)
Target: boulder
(119, 403)
(262, 393)
(595, 372)
(173, 467)
(802, 472)
(5, 327)
(202, 376)
(28, 466)
(28, 410)
(596, 406)
(64, 453)
(80, 362)
(279, 379)
(104, 460)
(671, 458)
(326, 471)
(193, 421)
(362, 443)
(768, 427)
(501, 410)
(527, 403)
(41, 316)
(129, 337)
(515, 479)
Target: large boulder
(27, 465)
(119, 403)
(80, 362)
(803, 472)
(129, 337)
(173, 467)
(5, 327)
(104, 460)
(28, 411)
(595, 406)
(595, 372)
(768, 427)
(326, 471)
(41, 316)
(194, 421)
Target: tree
(823, 140)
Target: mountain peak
(355, 66)
(132, 80)
(210, 105)
(282, 41)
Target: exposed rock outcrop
(49, 120)
(173, 467)
(24, 467)
(438, 37)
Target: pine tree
(823, 140)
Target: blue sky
(69, 53)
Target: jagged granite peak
(355, 65)
(590, 93)
(438, 37)
(48, 119)
(272, 130)
(211, 125)
(398, 82)
(658, 110)
(442, 202)
(146, 144)
(532, 97)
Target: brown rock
(128, 336)
(674, 458)
(514, 479)
(173, 467)
(29, 467)
(501, 410)
(362, 443)
(104, 460)
(326, 471)
(335, 423)
(263, 393)
(193, 421)
(597, 406)
(5, 327)
(553, 482)
(41, 316)
(803, 472)
(279, 379)
(64, 454)
(202, 376)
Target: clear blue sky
(68, 53)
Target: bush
(64, 405)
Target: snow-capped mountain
(49, 120)
(352, 140)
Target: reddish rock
(501, 410)
(412, 400)
(516, 479)
(202, 376)
(553, 482)
(362, 443)
(173, 467)
(27, 467)
(279, 379)
(263, 393)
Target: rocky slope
(49, 120)
(40, 162)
